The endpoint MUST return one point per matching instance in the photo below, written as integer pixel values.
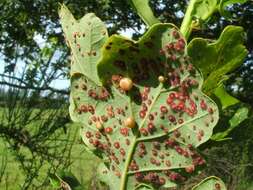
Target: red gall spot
(170, 142)
(91, 141)
(162, 181)
(172, 118)
(151, 127)
(169, 46)
(84, 108)
(104, 118)
(91, 109)
(144, 131)
(174, 176)
(163, 109)
(154, 152)
(168, 163)
(96, 143)
(186, 154)
(152, 160)
(144, 97)
(203, 105)
(118, 174)
(146, 89)
(172, 95)
(88, 134)
(142, 114)
(177, 134)
(175, 34)
(83, 87)
(142, 145)
(108, 130)
(158, 163)
(201, 133)
(151, 117)
(116, 145)
(180, 121)
(199, 137)
(217, 186)
(190, 169)
(173, 106)
(169, 101)
(210, 110)
(139, 176)
(149, 102)
(98, 135)
(179, 150)
(127, 142)
(156, 145)
(194, 127)
(144, 107)
(180, 106)
(124, 131)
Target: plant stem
(186, 27)
(128, 160)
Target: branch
(64, 92)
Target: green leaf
(172, 117)
(210, 183)
(85, 37)
(240, 116)
(197, 12)
(144, 11)
(226, 3)
(224, 97)
(216, 59)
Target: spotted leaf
(148, 115)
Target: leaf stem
(186, 26)
(128, 160)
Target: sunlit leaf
(240, 116)
(147, 115)
(216, 59)
(144, 11)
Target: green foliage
(218, 58)
(143, 9)
(240, 116)
(168, 114)
(210, 183)
(224, 98)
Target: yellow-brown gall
(161, 79)
(126, 84)
(99, 125)
(129, 122)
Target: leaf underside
(172, 117)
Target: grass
(83, 165)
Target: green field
(83, 166)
